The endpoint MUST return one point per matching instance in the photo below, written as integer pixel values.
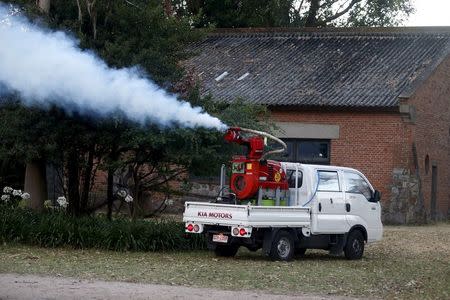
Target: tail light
(240, 231)
(193, 227)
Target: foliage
(56, 229)
(380, 13)
(123, 33)
(297, 13)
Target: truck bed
(246, 215)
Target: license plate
(220, 238)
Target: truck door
(329, 207)
(360, 209)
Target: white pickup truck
(330, 208)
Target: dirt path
(13, 286)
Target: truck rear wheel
(354, 248)
(226, 250)
(283, 247)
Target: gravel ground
(13, 286)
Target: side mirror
(376, 196)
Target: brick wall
(431, 134)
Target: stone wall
(405, 205)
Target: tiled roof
(335, 68)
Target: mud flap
(337, 245)
(269, 235)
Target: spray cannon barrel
(255, 144)
(252, 176)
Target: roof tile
(348, 68)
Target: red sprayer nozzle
(255, 143)
(251, 172)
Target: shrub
(55, 229)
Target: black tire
(354, 248)
(226, 250)
(300, 252)
(283, 247)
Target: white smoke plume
(48, 68)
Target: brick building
(373, 99)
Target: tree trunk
(110, 181)
(168, 9)
(92, 11)
(36, 184)
(35, 175)
(311, 20)
(80, 16)
(44, 5)
(110, 192)
(73, 183)
(87, 179)
(136, 188)
(80, 13)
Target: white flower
(122, 193)
(128, 199)
(7, 190)
(48, 203)
(5, 198)
(26, 196)
(17, 193)
(62, 201)
(168, 202)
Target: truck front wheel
(283, 247)
(354, 248)
(226, 250)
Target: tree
(296, 13)
(124, 33)
(35, 171)
(44, 5)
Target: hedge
(56, 229)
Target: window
(328, 181)
(356, 184)
(427, 164)
(307, 151)
(290, 175)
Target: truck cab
(340, 198)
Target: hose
(315, 191)
(265, 134)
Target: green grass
(410, 262)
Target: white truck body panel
(323, 210)
(246, 215)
